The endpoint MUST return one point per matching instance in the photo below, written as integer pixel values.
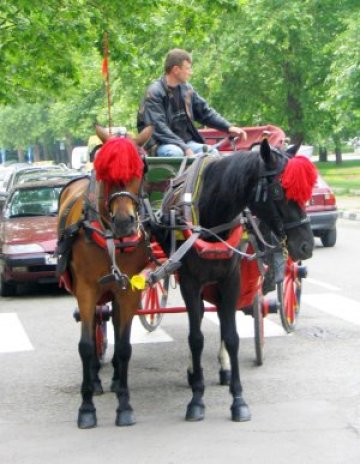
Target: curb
(353, 216)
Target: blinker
(262, 190)
(276, 191)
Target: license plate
(50, 259)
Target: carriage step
(103, 313)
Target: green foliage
(344, 80)
(343, 177)
(293, 64)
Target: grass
(344, 177)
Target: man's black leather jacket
(155, 110)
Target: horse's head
(279, 197)
(119, 170)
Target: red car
(28, 234)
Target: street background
(305, 399)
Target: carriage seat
(184, 191)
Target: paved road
(305, 399)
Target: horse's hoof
(240, 411)
(224, 376)
(98, 389)
(115, 385)
(125, 418)
(195, 412)
(87, 419)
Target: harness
(96, 229)
(180, 210)
(183, 197)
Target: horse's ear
(265, 152)
(144, 136)
(293, 149)
(102, 133)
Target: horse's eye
(276, 191)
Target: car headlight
(18, 249)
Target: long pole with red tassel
(106, 74)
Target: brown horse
(103, 244)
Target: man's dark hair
(176, 57)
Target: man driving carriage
(171, 106)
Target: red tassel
(105, 67)
(118, 161)
(298, 179)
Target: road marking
(337, 305)
(245, 325)
(319, 283)
(141, 335)
(13, 337)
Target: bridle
(124, 193)
(269, 185)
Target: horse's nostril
(306, 248)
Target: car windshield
(35, 174)
(41, 201)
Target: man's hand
(189, 152)
(237, 131)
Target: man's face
(183, 73)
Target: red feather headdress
(118, 161)
(298, 179)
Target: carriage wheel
(153, 299)
(258, 329)
(289, 294)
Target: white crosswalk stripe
(319, 283)
(13, 337)
(337, 305)
(140, 335)
(245, 325)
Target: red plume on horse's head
(118, 161)
(298, 179)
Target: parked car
(28, 234)
(22, 172)
(5, 173)
(323, 213)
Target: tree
(343, 94)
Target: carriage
(201, 223)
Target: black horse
(275, 189)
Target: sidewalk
(349, 207)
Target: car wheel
(6, 288)
(328, 238)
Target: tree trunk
(323, 154)
(45, 151)
(338, 154)
(36, 152)
(295, 114)
(69, 144)
(21, 155)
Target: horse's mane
(118, 161)
(227, 181)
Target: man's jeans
(170, 150)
